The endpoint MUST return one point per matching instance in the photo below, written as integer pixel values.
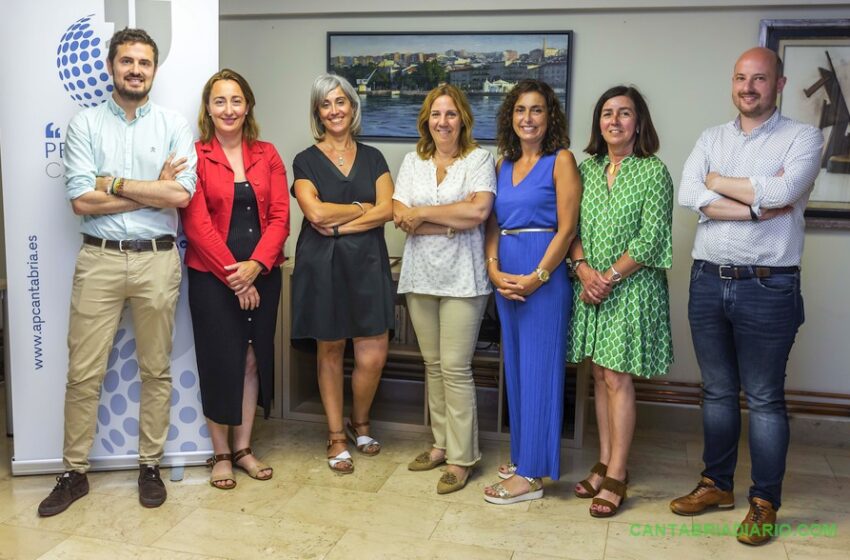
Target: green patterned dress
(630, 330)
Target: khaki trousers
(104, 279)
(447, 329)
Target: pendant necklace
(340, 155)
(614, 166)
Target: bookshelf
(401, 400)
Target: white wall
(681, 59)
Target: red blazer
(206, 221)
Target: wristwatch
(542, 274)
(577, 263)
(615, 276)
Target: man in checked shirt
(749, 181)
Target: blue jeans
(743, 331)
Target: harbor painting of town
(394, 72)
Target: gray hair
(322, 86)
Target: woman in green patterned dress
(621, 309)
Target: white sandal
(363, 443)
(342, 458)
(511, 471)
(535, 492)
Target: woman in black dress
(236, 225)
(342, 286)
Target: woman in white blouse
(444, 193)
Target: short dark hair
(556, 124)
(129, 35)
(646, 139)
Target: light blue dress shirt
(777, 144)
(101, 142)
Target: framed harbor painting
(816, 55)
(393, 72)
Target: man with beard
(129, 165)
(749, 181)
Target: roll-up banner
(53, 58)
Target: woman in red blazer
(236, 225)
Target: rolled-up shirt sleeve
(182, 146)
(653, 245)
(693, 193)
(800, 168)
(80, 168)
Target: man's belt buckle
(127, 245)
(731, 270)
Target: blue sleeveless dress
(534, 332)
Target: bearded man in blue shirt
(129, 165)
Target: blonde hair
(425, 147)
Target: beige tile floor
(385, 511)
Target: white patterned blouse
(436, 264)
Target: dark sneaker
(70, 486)
(760, 524)
(151, 488)
(705, 496)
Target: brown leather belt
(164, 243)
(744, 272)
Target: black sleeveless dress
(223, 330)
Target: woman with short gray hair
(341, 285)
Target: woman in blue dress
(533, 223)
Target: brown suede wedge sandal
(617, 488)
(602, 470)
(224, 477)
(589, 491)
(253, 472)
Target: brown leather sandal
(363, 443)
(589, 491)
(340, 463)
(224, 477)
(616, 487)
(253, 472)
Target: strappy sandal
(224, 477)
(504, 497)
(589, 491)
(340, 463)
(253, 472)
(510, 470)
(362, 443)
(616, 487)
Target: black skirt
(223, 332)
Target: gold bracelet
(491, 259)
(117, 186)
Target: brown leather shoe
(151, 488)
(70, 486)
(759, 526)
(705, 496)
